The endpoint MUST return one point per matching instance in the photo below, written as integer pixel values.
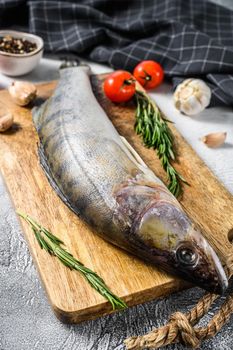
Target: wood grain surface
(206, 201)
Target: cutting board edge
(104, 309)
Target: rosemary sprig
(52, 245)
(157, 134)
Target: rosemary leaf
(53, 245)
(156, 134)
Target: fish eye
(186, 256)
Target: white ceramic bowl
(20, 64)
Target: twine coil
(181, 327)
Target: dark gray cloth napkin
(190, 38)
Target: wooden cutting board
(206, 201)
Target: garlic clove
(215, 139)
(22, 92)
(203, 98)
(187, 92)
(192, 96)
(6, 121)
(201, 85)
(191, 106)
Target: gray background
(26, 319)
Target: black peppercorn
(16, 45)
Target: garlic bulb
(214, 139)
(22, 92)
(6, 121)
(192, 96)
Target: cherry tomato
(149, 74)
(119, 86)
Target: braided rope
(180, 327)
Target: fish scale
(103, 180)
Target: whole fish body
(103, 180)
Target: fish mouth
(208, 273)
(222, 285)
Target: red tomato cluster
(120, 86)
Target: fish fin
(132, 151)
(140, 163)
(54, 185)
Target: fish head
(180, 248)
